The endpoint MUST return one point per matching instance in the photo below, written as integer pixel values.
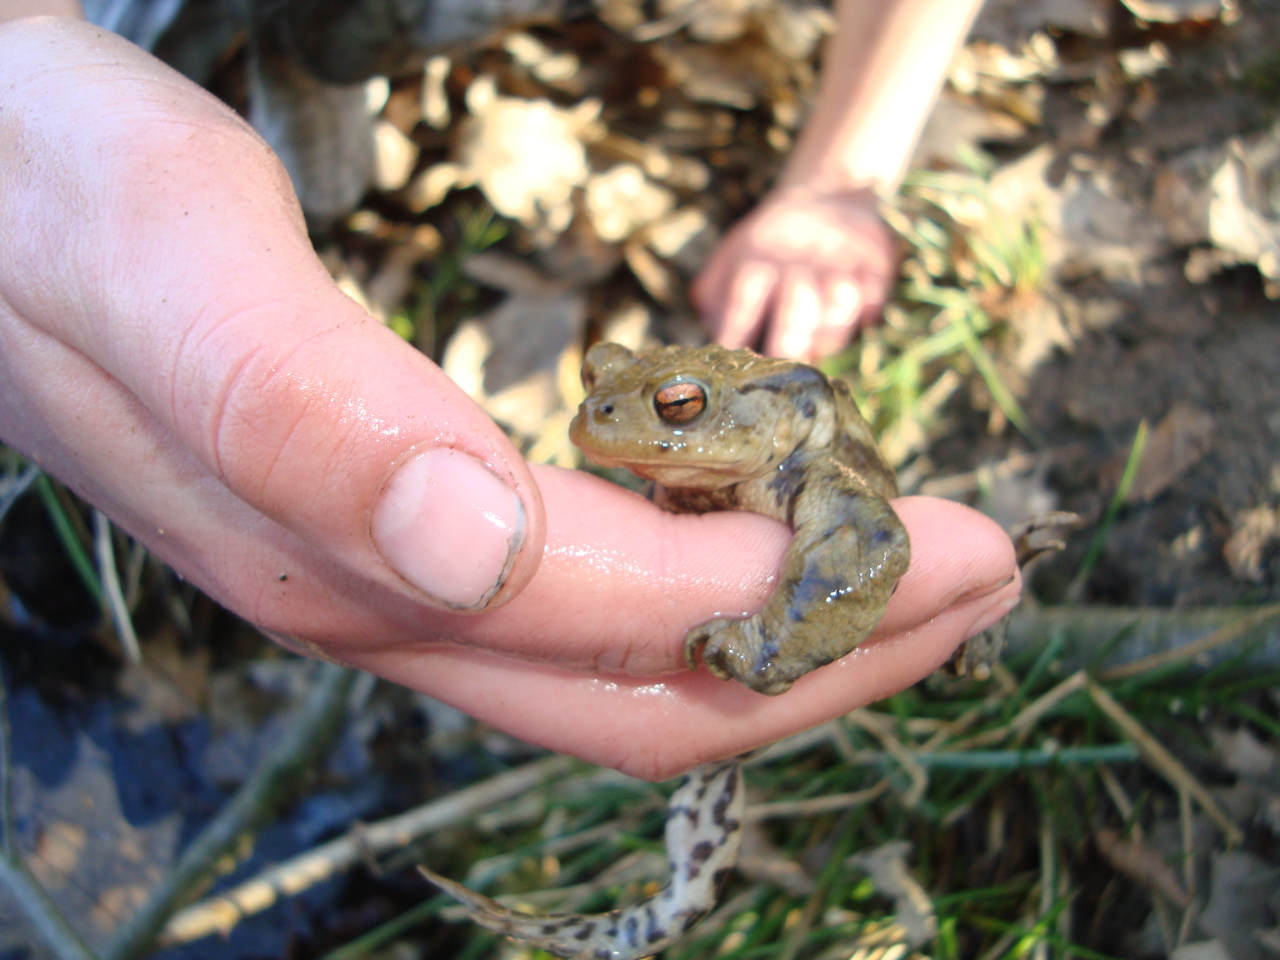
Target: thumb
(190, 281)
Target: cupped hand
(806, 269)
(172, 349)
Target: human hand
(807, 267)
(172, 349)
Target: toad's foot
(741, 650)
(1032, 539)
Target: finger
(707, 288)
(219, 319)
(841, 309)
(736, 321)
(618, 597)
(656, 728)
(641, 724)
(797, 317)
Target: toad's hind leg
(703, 833)
(848, 550)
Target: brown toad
(724, 429)
(719, 429)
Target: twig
(34, 903)
(220, 913)
(110, 577)
(828, 803)
(1027, 717)
(280, 773)
(13, 489)
(1035, 711)
(1164, 761)
(1219, 638)
(43, 913)
(1145, 632)
(871, 723)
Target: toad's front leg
(847, 554)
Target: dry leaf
(322, 132)
(526, 155)
(1142, 863)
(684, 237)
(1225, 196)
(1240, 888)
(1256, 534)
(1178, 442)
(435, 99)
(716, 21)
(508, 359)
(1012, 22)
(889, 871)
(1177, 11)
(1243, 753)
(622, 200)
(793, 31)
(560, 70)
(394, 156)
(725, 76)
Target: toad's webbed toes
(694, 641)
(739, 650)
(721, 644)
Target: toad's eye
(680, 402)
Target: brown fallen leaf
(1142, 864)
(1178, 442)
(528, 156)
(1256, 533)
(509, 358)
(1223, 195)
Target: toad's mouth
(688, 468)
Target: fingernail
(449, 526)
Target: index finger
(594, 667)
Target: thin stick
(1188, 651)
(220, 913)
(1164, 761)
(110, 577)
(829, 803)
